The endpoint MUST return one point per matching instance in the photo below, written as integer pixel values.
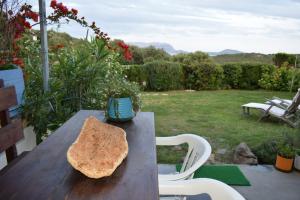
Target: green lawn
(216, 115)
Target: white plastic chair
(215, 189)
(198, 153)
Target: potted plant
(297, 160)
(123, 101)
(285, 157)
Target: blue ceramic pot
(14, 77)
(120, 109)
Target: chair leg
(292, 124)
(246, 110)
(263, 117)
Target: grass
(216, 115)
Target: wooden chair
(11, 131)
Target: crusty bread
(99, 149)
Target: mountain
(224, 52)
(165, 46)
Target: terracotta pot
(284, 164)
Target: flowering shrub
(13, 24)
(80, 78)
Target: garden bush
(280, 78)
(82, 78)
(163, 75)
(251, 74)
(204, 76)
(232, 75)
(199, 71)
(244, 75)
(266, 152)
(136, 73)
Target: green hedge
(244, 75)
(204, 76)
(163, 75)
(251, 74)
(232, 75)
(136, 73)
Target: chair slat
(10, 134)
(8, 98)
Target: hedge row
(164, 75)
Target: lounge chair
(283, 102)
(215, 189)
(198, 153)
(287, 113)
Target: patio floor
(267, 183)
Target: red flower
(27, 25)
(62, 8)
(59, 46)
(123, 45)
(127, 55)
(34, 16)
(18, 61)
(53, 4)
(74, 11)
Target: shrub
(266, 81)
(199, 71)
(251, 74)
(232, 75)
(204, 76)
(163, 75)
(84, 78)
(136, 73)
(266, 152)
(283, 78)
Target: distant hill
(243, 58)
(224, 52)
(165, 46)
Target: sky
(264, 26)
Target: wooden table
(44, 173)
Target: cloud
(259, 25)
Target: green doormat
(228, 174)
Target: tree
(283, 58)
(153, 54)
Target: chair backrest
(11, 131)
(295, 103)
(198, 153)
